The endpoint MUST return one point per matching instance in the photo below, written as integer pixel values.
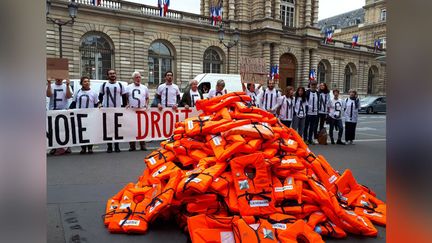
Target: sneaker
(340, 142)
(83, 151)
(351, 142)
(117, 149)
(109, 149)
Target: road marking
(366, 129)
(371, 140)
(368, 134)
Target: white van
(207, 81)
(95, 85)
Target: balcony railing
(148, 10)
(358, 47)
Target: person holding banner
(269, 98)
(138, 97)
(59, 93)
(190, 96)
(220, 89)
(250, 90)
(112, 94)
(85, 98)
(168, 93)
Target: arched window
(160, 61)
(212, 61)
(348, 78)
(96, 56)
(287, 11)
(321, 73)
(373, 73)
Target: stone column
(277, 9)
(308, 13)
(306, 67)
(315, 13)
(206, 8)
(268, 9)
(266, 54)
(231, 13)
(275, 54)
(314, 59)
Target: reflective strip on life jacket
(254, 193)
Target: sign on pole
(253, 70)
(57, 68)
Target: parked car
(373, 104)
(95, 84)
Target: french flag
(377, 44)
(274, 72)
(163, 7)
(355, 40)
(96, 2)
(216, 15)
(312, 75)
(329, 36)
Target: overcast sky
(327, 8)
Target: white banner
(67, 128)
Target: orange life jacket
(158, 157)
(261, 231)
(298, 231)
(201, 126)
(329, 229)
(221, 184)
(254, 190)
(325, 172)
(114, 203)
(164, 171)
(229, 125)
(209, 228)
(287, 188)
(215, 106)
(254, 130)
(221, 148)
(222, 114)
(203, 103)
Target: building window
(287, 12)
(160, 61)
(348, 78)
(383, 15)
(96, 56)
(212, 61)
(321, 73)
(371, 77)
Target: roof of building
(344, 20)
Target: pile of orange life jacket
(236, 174)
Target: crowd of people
(305, 110)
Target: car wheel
(369, 110)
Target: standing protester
(324, 98)
(191, 95)
(112, 94)
(286, 107)
(59, 93)
(85, 98)
(168, 94)
(311, 125)
(352, 105)
(253, 92)
(220, 89)
(269, 98)
(300, 108)
(335, 108)
(138, 97)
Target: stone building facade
(128, 36)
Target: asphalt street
(78, 186)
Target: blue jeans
(336, 123)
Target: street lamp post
(73, 9)
(235, 40)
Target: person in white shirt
(168, 94)
(335, 108)
(311, 125)
(112, 94)
(85, 98)
(352, 105)
(59, 93)
(324, 98)
(286, 107)
(191, 95)
(219, 90)
(300, 107)
(253, 92)
(269, 97)
(138, 97)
